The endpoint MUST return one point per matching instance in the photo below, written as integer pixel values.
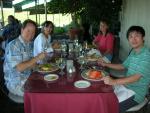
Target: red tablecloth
(36, 83)
(62, 97)
(70, 103)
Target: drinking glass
(70, 47)
(62, 65)
(64, 49)
(82, 61)
(76, 42)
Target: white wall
(134, 12)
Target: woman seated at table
(43, 40)
(137, 78)
(104, 41)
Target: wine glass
(81, 61)
(64, 49)
(62, 64)
(76, 42)
(85, 47)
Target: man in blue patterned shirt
(19, 58)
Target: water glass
(63, 47)
(70, 47)
(82, 61)
(76, 43)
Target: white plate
(50, 68)
(82, 84)
(51, 77)
(58, 49)
(85, 75)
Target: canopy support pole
(2, 12)
(39, 13)
(27, 14)
(45, 4)
(53, 17)
(36, 10)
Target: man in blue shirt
(19, 59)
(137, 78)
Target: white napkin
(94, 51)
(49, 50)
(106, 59)
(123, 93)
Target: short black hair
(11, 18)
(24, 24)
(138, 29)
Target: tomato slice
(93, 74)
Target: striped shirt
(138, 63)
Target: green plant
(89, 11)
(59, 30)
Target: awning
(7, 3)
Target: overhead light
(17, 1)
(32, 4)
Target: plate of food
(58, 49)
(93, 75)
(82, 84)
(93, 57)
(88, 46)
(51, 77)
(45, 68)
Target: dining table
(62, 96)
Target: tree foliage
(90, 11)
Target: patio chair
(142, 106)
(4, 90)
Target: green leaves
(90, 11)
